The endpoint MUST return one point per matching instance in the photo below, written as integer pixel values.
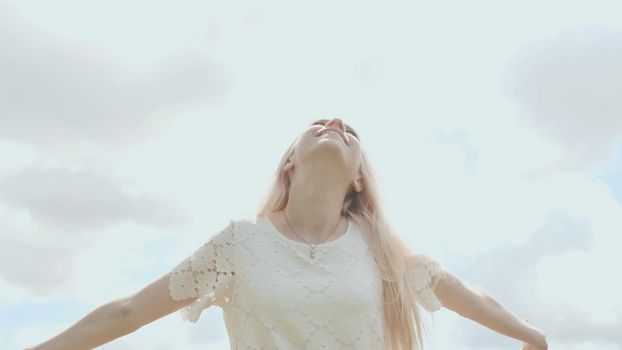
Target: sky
(131, 131)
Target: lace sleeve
(427, 272)
(207, 274)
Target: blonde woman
(318, 267)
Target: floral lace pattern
(275, 296)
(207, 275)
(427, 272)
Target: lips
(335, 131)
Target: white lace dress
(275, 296)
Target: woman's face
(333, 141)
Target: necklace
(312, 251)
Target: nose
(339, 123)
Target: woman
(318, 267)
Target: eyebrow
(348, 127)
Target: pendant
(312, 253)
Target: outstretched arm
(484, 309)
(105, 323)
(117, 318)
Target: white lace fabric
(206, 274)
(275, 296)
(426, 272)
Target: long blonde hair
(403, 325)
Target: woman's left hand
(539, 344)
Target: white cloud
(35, 266)
(76, 200)
(569, 87)
(57, 93)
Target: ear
(358, 187)
(289, 165)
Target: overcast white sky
(131, 131)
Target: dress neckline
(280, 236)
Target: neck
(314, 204)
